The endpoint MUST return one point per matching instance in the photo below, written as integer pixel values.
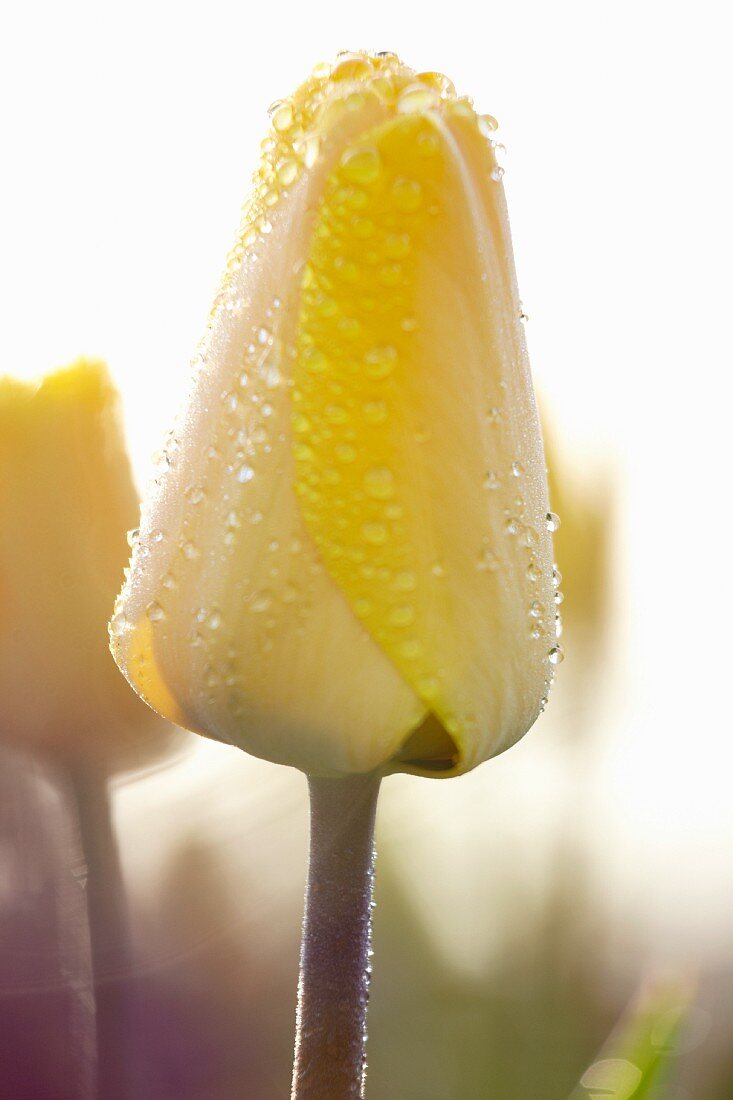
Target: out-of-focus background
(523, 907)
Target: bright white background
(129, 132)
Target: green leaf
(637, 1061)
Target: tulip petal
(230, 625)
(419, 463)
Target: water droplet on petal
(361, 165)
(375, 533)
(261, 601)
(407, 195)
(487, 124)
(379, 483)
(552, 521)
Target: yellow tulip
(66, 502)
(347, 564)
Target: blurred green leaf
(636, 1062)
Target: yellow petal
(420, 468)
(66, 502)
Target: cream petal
(230, 624)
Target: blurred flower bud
(347, 564)
(66, 502)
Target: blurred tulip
(66, 502)
(347, 564)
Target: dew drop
(397, 246)
(407, 195)
(487, 124)
(380, 361)
(375, 533)
(310, 149)
(287, 171)
(190, 551)
(133, 536)
(245, 473)
(517, 469)
(440, 82)
(155, 612)
(281, 115)
(336, 414)
(536, 610)
(401, 616)
(214, 620)
(375, 412)
(379, 483)
(497, 173)
(488, 561)
(492, 480)
(273, 376)
(261, 601)
(556, 655)
(417, 97)
(315, 360)
(552, 521)
(533, 572)
(361, 165)
(405, 581)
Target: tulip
(347, 562)
(66, 502)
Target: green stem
(108, 933)
(333, 990)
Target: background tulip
(66, 502)
(346, 563)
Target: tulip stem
(330, 1036)
(108, 933)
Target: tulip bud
(347, 563)
(66, 502)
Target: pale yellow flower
(347, 563)
(66, 502)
